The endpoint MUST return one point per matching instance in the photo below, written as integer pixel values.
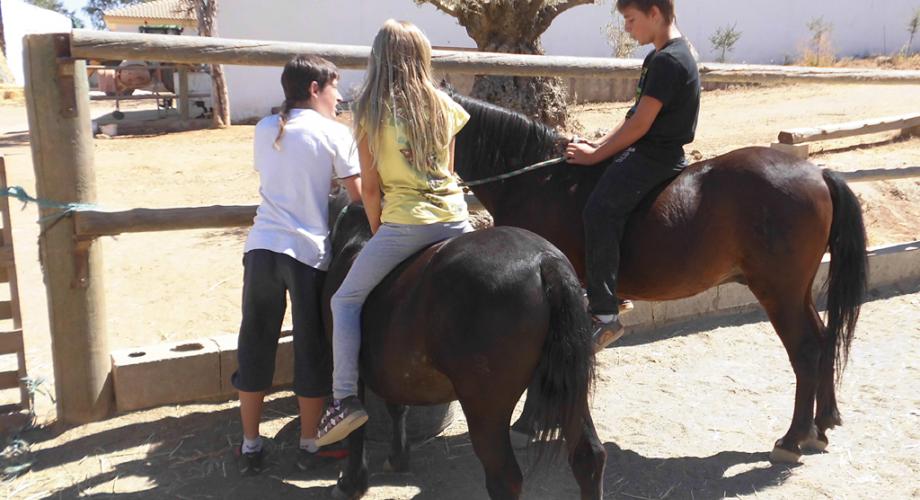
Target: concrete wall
(21, 19)
(773, 32)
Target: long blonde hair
(398, 88)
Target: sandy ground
(689, 416)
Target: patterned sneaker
(322, 457)
(340, 419)
(626, 305)
(606, 333)
(250, 463)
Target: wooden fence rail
(87, 44)
(90, 224)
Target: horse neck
(496, 141)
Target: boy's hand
(580, 153)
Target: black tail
(847, 279)
(565, 373)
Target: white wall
(20, 19)
(773, 31)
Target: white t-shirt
(295, 183)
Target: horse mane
(497, 140)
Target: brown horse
(475, 318)
(753, 216)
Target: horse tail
(565, 372)
(847, 277)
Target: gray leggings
(392, 244)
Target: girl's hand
(580, 153)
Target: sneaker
(340, 419)
(250, 463)
(606, 333)
(322, 457)
(626, 305)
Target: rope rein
(513, 173)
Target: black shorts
(267, 276)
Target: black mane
(497, 140)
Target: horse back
(457, 310)
(718, 218)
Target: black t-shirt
(671, 76)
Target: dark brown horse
(475, 319)
(753, 216)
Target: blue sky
(77, 6)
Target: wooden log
(57, 100)
(881, 174)
(91, 224)
(145, 97)
(848, 129)
(184, 110)
(207, 50)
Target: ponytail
(285, 111)
(298, 75)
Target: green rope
(19, 193)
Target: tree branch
(442, 6)
(552, 10)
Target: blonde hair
(398, 88)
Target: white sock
(251, 445)
(604, 318)
(309, 444)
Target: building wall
(773, 31)
(21, 19)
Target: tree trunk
(541, 98)
(2, 36)
(206, 11)
(515, 28)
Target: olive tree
(513, 26)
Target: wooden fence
(62, 151)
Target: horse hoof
(339, 493)
(520, 440)
(784, 456)
(389, 467)
(814, 441)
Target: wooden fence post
(57, 99)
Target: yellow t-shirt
(414, 197)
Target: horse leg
(353, 483)
(826, 415)
(587, 459)
(489, 433)
(793, 323)
(398, 461)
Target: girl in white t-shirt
(298, 153)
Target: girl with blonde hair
(405, 130)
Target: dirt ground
(690, 415)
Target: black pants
(626, 181)
(266, 278)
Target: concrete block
(894, 266)
(284, 362)
(732, 296)
(672, 311)
(165, 374)
(797, 150)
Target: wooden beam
(145, 97)
(10, 342)
(9, 379)
(848, 129)
(206, 50)
(91, 224)
(881, 174)
(57, 101)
